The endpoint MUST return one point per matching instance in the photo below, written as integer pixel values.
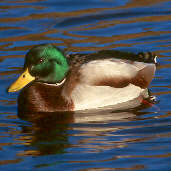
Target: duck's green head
(43, 63)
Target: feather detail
(43, 97)
(110, 82)
(87, 97)
(117, 73)
(144, 76)
(73, 78)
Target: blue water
(102, 140)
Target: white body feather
(87, 96)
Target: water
(101, 140)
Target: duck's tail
(148, 57)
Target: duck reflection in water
(50, 131)
(47, 133)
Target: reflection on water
(136, 139)
(48, 133)
(100, 137)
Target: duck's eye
(40, 60)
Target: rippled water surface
(99, 140)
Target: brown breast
(38, 97)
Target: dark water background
(102, 140)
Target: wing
(117, 73)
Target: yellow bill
(22, 81)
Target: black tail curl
(148, 57)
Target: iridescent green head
(44, 63)
(47, 63)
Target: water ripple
(98, 140)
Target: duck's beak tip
(22, 81)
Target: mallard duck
(53, 81)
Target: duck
(53, 81)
